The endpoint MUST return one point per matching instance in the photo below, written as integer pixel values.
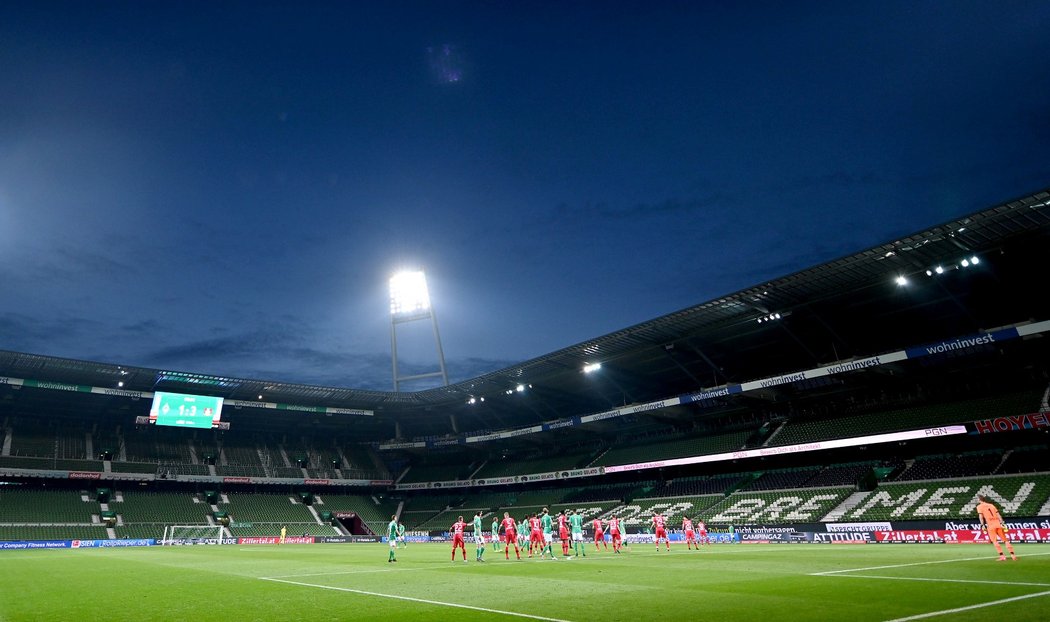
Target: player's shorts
(599, 535)
(690, 535)
(393, 542)
(563, 534)
(457, 540)
(548, 537)
(615, 535)
(661, 533)
(703, 533)
(510, 537)
(577, 536)
(479, 540)
(996, 531)
(536, 536)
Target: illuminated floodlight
(408, 293)
(965, 263)
(902, 280)
(591, 367)
(472, 400)
(520, 388)
(975, 260)
(939, 270)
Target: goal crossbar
(192, 534)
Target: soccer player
(391, 536)
(992, 523)
(599, 535)
(495, 534)
(690, 535)
(563, 532)
(535, 534)
(614, 533)
(576, 525)
(401, 542)
(659, 526)
(479, 538)
(523, 533)
(284, 532)
(457, 538)
(548, 533)
(509, 536)
(701, 532)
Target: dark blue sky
(225, 187)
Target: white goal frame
(193, 534)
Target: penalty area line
(417, 600)
(934, 580)
(938, 561)
(945, 612)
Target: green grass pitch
(234, 583)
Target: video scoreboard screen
(185, 411)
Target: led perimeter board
(185, 411)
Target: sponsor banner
(1012, 424)
(448, 442)
(452, 483)
(15, 382)
(348, 539)
(609, 414)
(237, 480)
(557, 425)
(122, 393)
(483, 437)
(538, 477)
(415, 445)
(198, 541)
(842, 527)
(344, 514)
(843, 537)
(349, 411)
(317, 482)
(111, 544)
(497, 481)
(84, 475)
(521, 431)
(277, 540)
(57, 386)
(960, 536)
(582, 472)
(413, 486)
(707, 394)
(16, 545)
(962, 343)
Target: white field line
(945, 612)
(418, 600)
(939, 561)
(873, 576)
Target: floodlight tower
(410, 302)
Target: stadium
(867, 400)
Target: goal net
(192, 534)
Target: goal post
(192, 534)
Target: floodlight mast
(410, 302)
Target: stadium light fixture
(939, 269)
(408, 293)
(902, 280)
(410, 301)
(590, 368)
(520, 388)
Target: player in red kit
(535, 534)
(690, 535)
(563, 532)
(701, 532)
(457, 538)
(599, 535)
(510, 535)
(660, 529)
(614, 532)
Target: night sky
(225, 187)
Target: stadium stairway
(847, 504)
(1043, 511)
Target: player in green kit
(401, 543)
(576, 526)
(523, 533)
(391, 536)
(495, 533)
(479, 538)
(548, 533)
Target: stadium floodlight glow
(472, 400)
(902, 280)
(408, 293)
(965, 263)
(939, 269)
(520, 388)
(591, 367)
(975, 260)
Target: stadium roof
(846, 308)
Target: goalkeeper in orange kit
(992, 523)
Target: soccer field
(355, 582)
